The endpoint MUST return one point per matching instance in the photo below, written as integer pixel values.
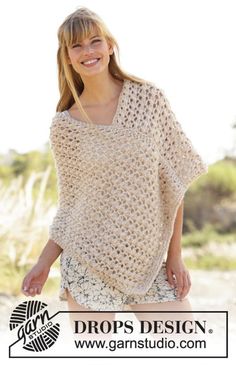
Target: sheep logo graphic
(34, 326)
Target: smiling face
(91, 55)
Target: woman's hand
(35, 279)
(181, 279)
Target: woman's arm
(50, 253)
(174, 263)
(175, 242)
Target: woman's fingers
(34, 290)
(170, 277)
(176, 281)
(26, 285)
(188, 285)
(30, 288)
(179, 284)
(176, 270)
(183, 284)
(34, 280)
(38, 289)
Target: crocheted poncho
(119, 195)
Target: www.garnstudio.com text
(163, 343)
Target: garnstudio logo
(34, 326)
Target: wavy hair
(77, 26)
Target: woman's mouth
(90, 63)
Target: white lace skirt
(90, 291)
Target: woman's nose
(87, 48)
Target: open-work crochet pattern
(119, 195)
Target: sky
(187, 48)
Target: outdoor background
(185, 47)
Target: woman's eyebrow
(94, 36)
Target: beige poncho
(119, 195)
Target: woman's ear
(68, 60)
(110, 47)
(68, 57)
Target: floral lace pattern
(92, 292)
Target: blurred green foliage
(15, 164)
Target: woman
(123, 165)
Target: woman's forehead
(77, 32)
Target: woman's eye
(78, 45)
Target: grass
(209, 262)
(207, 234)
(24, 222)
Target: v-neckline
(115, 117)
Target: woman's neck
(100, 90)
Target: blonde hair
(77, 26)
